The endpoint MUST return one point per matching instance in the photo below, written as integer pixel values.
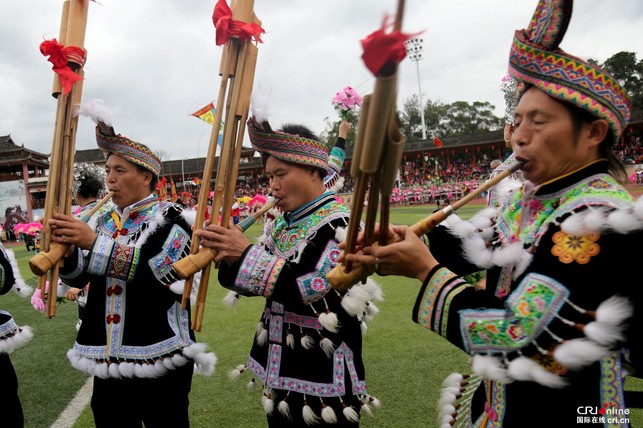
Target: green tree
(628, 71)
(331, 129)
(463, 118)
(434, 111)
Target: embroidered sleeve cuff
(74, 265)
(258, 273)
(433, 303)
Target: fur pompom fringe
(19, 286)
(284, 409)
(526, 369)
(310, 418)
(235, 374)
(578, 353)
(268, 403)
(350, 414)
(329, 321)
(489, 367)
(204, 364)
(20, 338)
(328, 414)
(231, 300)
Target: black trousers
(11, 415)
(155, 402)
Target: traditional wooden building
(21, 165)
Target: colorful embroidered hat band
(289, 148)
(536, 60)
(132, 151)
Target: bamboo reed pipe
(342, 280)
(191, 264)
(42, 262)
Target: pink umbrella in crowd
(32, 228)
(258, 199)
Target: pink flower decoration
(347, 99)
(36, 300)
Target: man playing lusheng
(308, 344)
(135, 338)
(560, 316)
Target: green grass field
(405, 364)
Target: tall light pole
(414, 49)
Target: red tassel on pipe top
(381, 48)
(227, 27)
(59, 56)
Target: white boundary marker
(75, 408)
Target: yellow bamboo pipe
(227, 59)
(62, 39)
(191, 264)
(42, 262)
(342, 280)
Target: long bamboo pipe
(72, 33)
(342, 280)
(42, 262)
(191, 264)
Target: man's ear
(597, 132)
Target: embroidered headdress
(287, 147)
(536, 60)
(132, 151)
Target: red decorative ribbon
(60, 56)
(381, 48)
(227, 27)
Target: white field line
(72, 412)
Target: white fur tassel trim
(329, 321)
(353, 306)
(340, 234)
(19, 286)
(284, 409)
(328, 414)
(204, 362)
(526, 369)
(262, 334)
(375, 401)
(235, 374)
(189, 215)
(578, 353)
(350, 414)
(309, 415)
(290, 341)
(21, 337)
(231, 300)
(366, 408)
(327, 346)
(268, 403)
(96, 110)
(614, 311)
(489, 367)
(307, 342)
(259, 105)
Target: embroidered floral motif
(176, 241)
(314, 286)
(569, 248)
(533, 305)
(549, 363)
